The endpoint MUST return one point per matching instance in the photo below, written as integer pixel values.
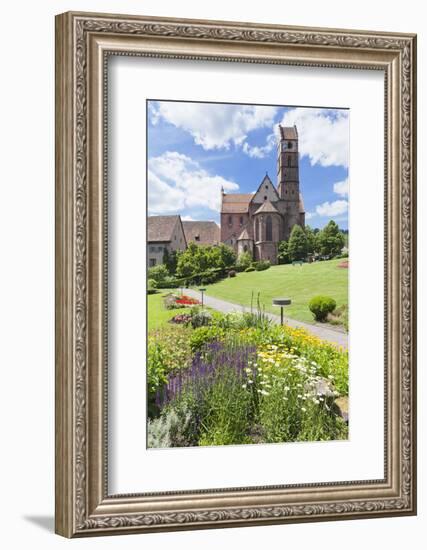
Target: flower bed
(239, 384)
(187, 301)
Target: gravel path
(325, 333)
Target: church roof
(160, 228)
(266, 207)
(288, 132)
(244, 236)
(235, 203)
(201, 232)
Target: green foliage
(320, 306)
(339, 316)
(205, 335)
(197, 260)
(311, 239)
(262, 265)
(151, 286)
(170, 429)
(330, 240)
(244, 261)
(298, 244)
(168, 350)
(249, 269)
(158, 273)
(200, 317)
(283, 253)
(168, 282)
(170, 260)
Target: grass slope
(299, 283)
(158, 315)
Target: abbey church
(257, 222)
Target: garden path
(325, 333)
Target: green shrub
(200, 317)
(205, 335)
(244, 261)
(170, 429)
(158, 273)
(168, 282)
(320, 306)
(151, 286)
(249, 269)
(262, 265)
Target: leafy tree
(298, 244)
(311, 239)
(158, 273)
(244, 260)
(199, 259)
(170, 260)
(283, 253)
(330, 240)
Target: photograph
(248, 257)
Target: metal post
(202, 290)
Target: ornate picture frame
(84, 42)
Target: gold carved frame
(83, 43)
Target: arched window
(245, 248)
(289, 162)
(241, 221)
(257, 230)
(230, 221)
(269, 229)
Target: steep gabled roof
(244, 236)
(235, 203)
(288, 132)
(266, 181)
(266, 207)
(201, 232)
(160, 228)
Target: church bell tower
(287, 164)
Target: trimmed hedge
(320, 306)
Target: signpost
(281, 302)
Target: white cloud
(310, 215)
(176, 182)
(260, 152)
(213, 125)
(332, 208)
(341, 188)
(323, 134)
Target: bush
(232, 273)
(158, 273)
(262, 265)
(200, 317)
(249, 269)
(244, 261)
(205, 335)
(170, 429)
(151, 286)
(168, 282)
(320, 306)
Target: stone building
(257, 222)
(171, 233)
(204, 233)
(163, 232)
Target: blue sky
(194, 149)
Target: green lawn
(299, 283)
(158, 315)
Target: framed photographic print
(235, 274)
